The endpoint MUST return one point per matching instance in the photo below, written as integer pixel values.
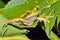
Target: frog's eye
(27, 14)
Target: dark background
(37, 33)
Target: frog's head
(31, 13)
(31, 16)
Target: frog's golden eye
(27, 14)
(31, 13)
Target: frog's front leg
(44, 18)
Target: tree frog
(27, 19)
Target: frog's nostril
(27, 13)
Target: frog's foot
(44, 18)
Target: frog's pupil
(28, 13)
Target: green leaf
(52, 1)
(17, 10)
(49, 26)
(57, 14)
(14, 3)
(57, 9)
(53, 36)
(47, 10)
(21, 37)
(2, 21)
(45, 3)
(12, 31)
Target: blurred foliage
(2, 4)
